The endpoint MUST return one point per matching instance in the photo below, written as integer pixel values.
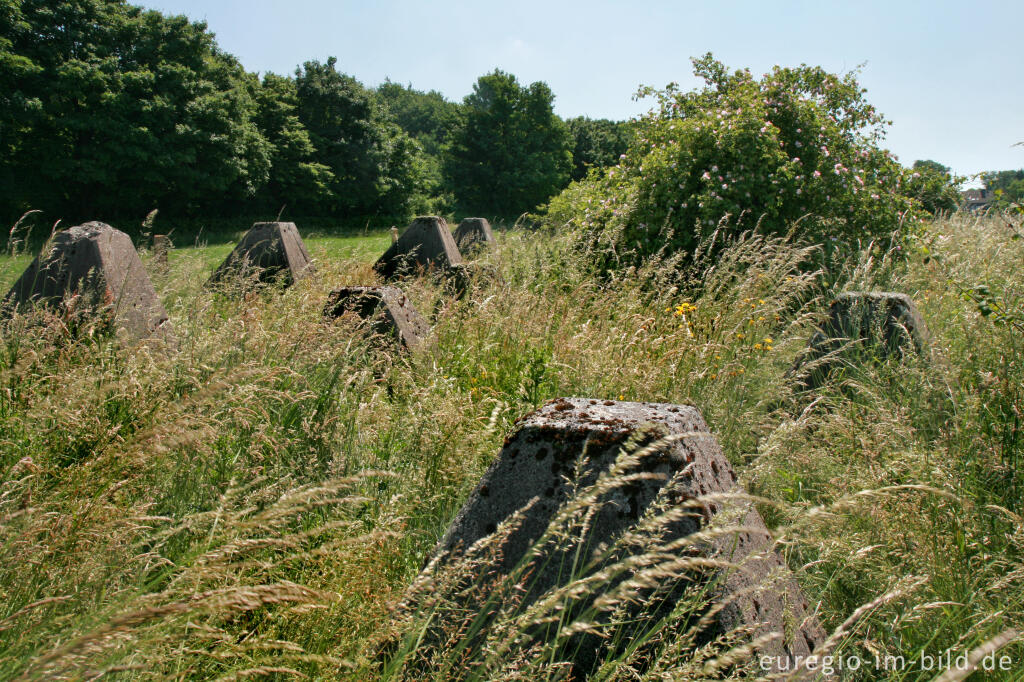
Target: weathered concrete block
(427, 243)
(161, 247)
(863, 325)
(569, 443)
(99, 267)
(387, 310)
(458, 279)
(274, 251)
(473, 233)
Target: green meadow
(257, 501)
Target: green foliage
(427, 116)
(1008, 186)
(377, 168)
(16, 106)
(932, 184)
(108, 110)
(510, 152)
(117, 110)
(928, 164)
(797, 147)
(429, 119)
(597, 143)
(296, 178)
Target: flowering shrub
(934, 186)
(798, 147)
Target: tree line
(110, 110)
(1007, 186)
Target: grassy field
(360, 246)
(256, 502)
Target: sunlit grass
(260, 499)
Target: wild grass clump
(258, 501)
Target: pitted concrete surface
(862, 326)
(387, 309)
(427, 243)
(100, 266)
(473, 233)
(573, 441)
(275, 251)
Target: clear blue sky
(950, 75)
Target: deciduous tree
(118, 110)
(597, 143)
(376, 167)
(510, 151)
(296, 178)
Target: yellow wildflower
(685, 307)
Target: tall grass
(258, 501)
